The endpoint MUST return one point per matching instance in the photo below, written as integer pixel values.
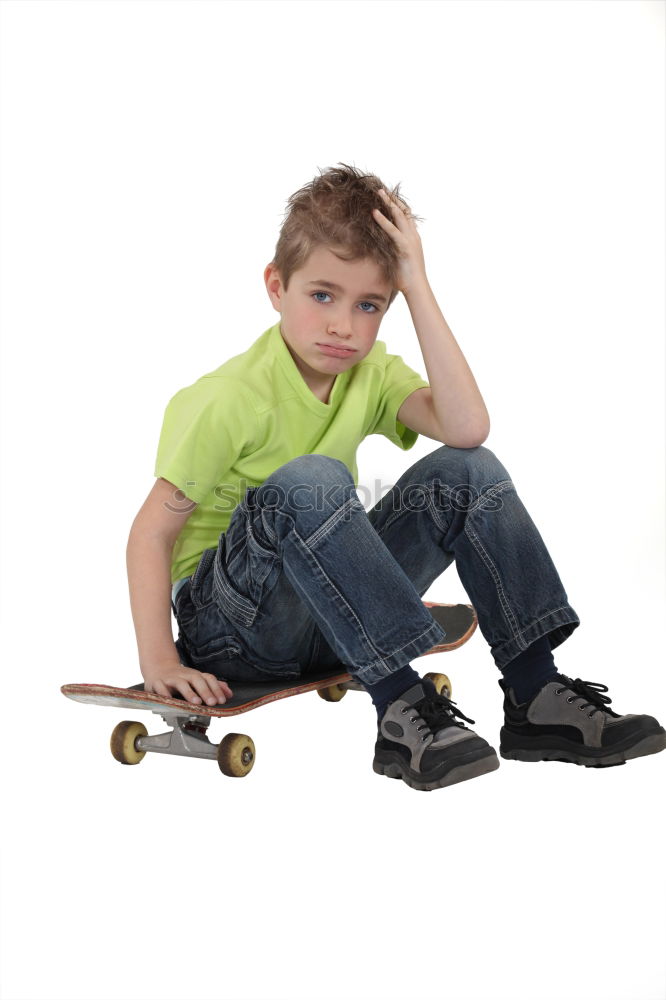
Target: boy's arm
(454, 409)
(453, 404)
(152, 537)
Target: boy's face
(314, 315)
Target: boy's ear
(273, 284)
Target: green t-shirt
(234, 426)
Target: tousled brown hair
(335, 211)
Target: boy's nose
(340, 331)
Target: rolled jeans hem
(377, 670)
(557, 625)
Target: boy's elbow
(472, 439)
(481, 438)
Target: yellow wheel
(333, 693)
(441, 682)
(235, 755)
(123, 742)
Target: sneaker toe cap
(628, 726)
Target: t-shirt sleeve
(399, 382)
(206, 427)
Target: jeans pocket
(199, 585)
(183, 607)
(218, 649)
(239, 582)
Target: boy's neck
(319, 385)
(324, 393)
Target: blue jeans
(305, 578)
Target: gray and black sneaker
(421, 741)
(569, 720)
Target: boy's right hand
(195, 686)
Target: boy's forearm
(459, 406)
(149, 576)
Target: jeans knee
(479, 465)
(486, 464)
(311, 470)
(307, 473)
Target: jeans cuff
(557, 625)
(377, 670)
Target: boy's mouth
(336, 352)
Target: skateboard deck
(235, 754)
(459, 621)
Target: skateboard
(236, 754)
(459, 621)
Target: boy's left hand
(406, 237)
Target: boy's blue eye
(374, 307)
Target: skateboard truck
(187, 738)
(235, 754)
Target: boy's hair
(335, 211)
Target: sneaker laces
(438, 711)
(590, 692)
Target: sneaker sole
(396, 769)
(649, 745)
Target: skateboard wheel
(123, 742)
(235, 755)
(441, 682)
(333, 693)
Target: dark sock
(530, 670)
(389, 688)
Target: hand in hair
(406, 237)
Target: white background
(148, 150)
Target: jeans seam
(535, 621)
(511, 648)
(399, 649)
(245, 608)
(490, 566)
(270, 534)
(505, 484)
(434, 511)
(330, 523)
(366, 667)
(390, 520)
(431, 508)
(203, 566)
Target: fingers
(194, 687)
(208, 688)
(176, 685)
(383, 221)
(399, 209)
(221, 690)
(399, 227)
(157, 687)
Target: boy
(276, 567)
